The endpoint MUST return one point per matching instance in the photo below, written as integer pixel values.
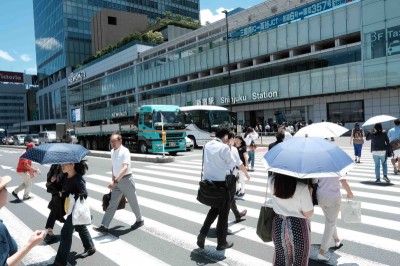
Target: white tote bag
(81, 213)
(351, 211)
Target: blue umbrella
(308, 158)
(56, 153)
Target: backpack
(358, 137)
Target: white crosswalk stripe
(179, 181)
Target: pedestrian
(26, 172)
(291, 226)
(122, 184)
(241, 147)
(357, 137)
(284, 130)
(75, 185)
(217, 162)
(9, 252)
(280, 136)
(329, 199)
(379, 143)
(267, 128)
(238, 160)
(55, 179)
(249, 137)
(394, 135)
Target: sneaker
(240, 195)
(27, 198)
(49, 239)
(321, 257)
(15, 195)
(377, 181)
(101, 229)
(395, 171)
(137, 225)
(338, 244)
(386, 179)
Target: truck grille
(173, 135)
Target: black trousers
(222, 213)
(51, 220)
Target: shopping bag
(264, 224)
(81, 212)
(351, 211)
(69, 204)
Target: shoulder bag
(265, 219)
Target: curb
(106, 154)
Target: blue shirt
(217, 160)
(394, 133)
(8, 246)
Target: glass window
(148, 120)
(348, 112)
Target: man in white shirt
(217, 162)
(122, 184)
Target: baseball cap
(30, 145)
(4, 181)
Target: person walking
(357, 137)
(394, 135)
(217, 162)
(25, 171)
(280, 136)
(55, 179)
(9, 252)
(329, 199)
(292, 203)
(75, 185)
(122, 183)
(249, 137)
(241, 147)
(379, 143)
(237, 170)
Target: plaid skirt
(292, 240)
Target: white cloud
(206, 15)
(26, 58)
(6, 56)
(31, 70)
(48, 43)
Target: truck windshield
(170, 119)
(219, 118)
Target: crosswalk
(173, 217)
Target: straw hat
(4, 181)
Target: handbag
(265, 219)
(389, 151)
(395, 144)
(351, 211)
(81, 212)
(106, 202)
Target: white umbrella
(378, 119)
(322, 130)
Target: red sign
(14, 77)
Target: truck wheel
(94, 144)
(143, 147)
(194, 141)
(87, 144)
(173, 153)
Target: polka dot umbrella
(56, 153)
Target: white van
(47, 137)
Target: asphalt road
(173, 217)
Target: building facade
(63, 40)
(335, 60)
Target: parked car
(19, 139)
(189, 144)
(32, 138)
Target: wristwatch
(115, 181)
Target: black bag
(210, 194)
(389, 151)
(314, 194)
(106, 202)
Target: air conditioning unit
(274, 9)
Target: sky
(17, 37)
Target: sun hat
(4, 181)
(30, 145)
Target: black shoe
(27, 198)
(386, 179)
(15, 195)
(87, 253)
(101, 229)
(225, 246)
(240, 195)
(200, 241)
(49, 239)
(137, 225)
(241, 214)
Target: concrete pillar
(339, 42)
(315, 48)
(293, 53)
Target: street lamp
(229, 61)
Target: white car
(189, 144)
(394, 48)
